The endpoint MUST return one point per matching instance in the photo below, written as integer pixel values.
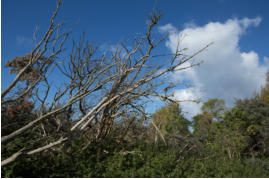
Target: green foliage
(250, 119)
(235, 145)
(145, 160)
(264, 94)
(214, 107)
(171, 121)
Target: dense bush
(224, 143)
(142, 161)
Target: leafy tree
(212, 111)
(214, 107)
(264, 94)
(252, 121)
(171, 122)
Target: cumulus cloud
(246, 22)
(167, 28)
(189, 108)
(227, 72)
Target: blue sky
(107, 21)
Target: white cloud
(246, 22)
(189, 108)
(167, 28)
(190, 24)
(227, 72)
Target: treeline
(219, 142)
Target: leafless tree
(97, 91)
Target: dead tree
(97, 90)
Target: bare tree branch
(96, 90)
